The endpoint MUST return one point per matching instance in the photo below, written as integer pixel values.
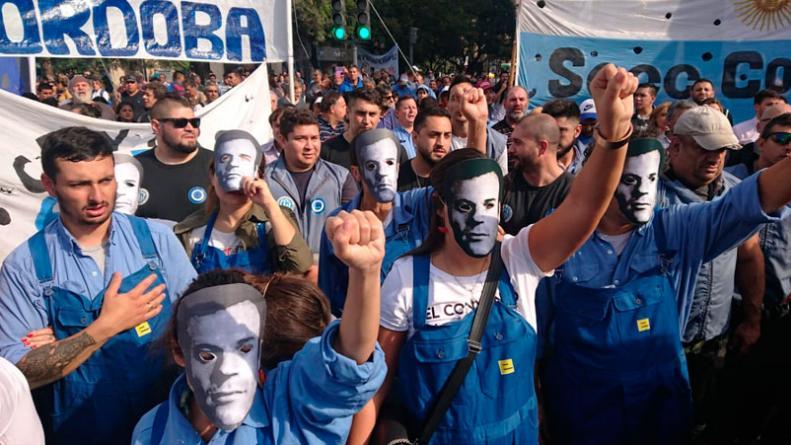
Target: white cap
(588, 110)
(710, 128)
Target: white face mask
(636, 192)
(223, 362)
(474, 213)
(127, 195)
(234, 160)
(379, 166)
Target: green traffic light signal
(363, 33)
(339, 33)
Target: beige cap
(710, 128)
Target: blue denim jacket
(710, 313)
(406, 230)
(776, 245)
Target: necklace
(470, 290)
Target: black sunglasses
(181, 122)
(781, 138)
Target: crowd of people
(423, 259)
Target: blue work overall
(206, 258)
(496, 404)
(616, 372)
(101, 401)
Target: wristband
(614, 145)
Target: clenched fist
(358, 239)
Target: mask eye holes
(206, 356)
(246, 348)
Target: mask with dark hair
(636, 192)
(377, 158)
(236, 156)
(219, 331)
(472, 191)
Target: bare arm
(258, 191)
(554, 238)
(774, 188)
(358, 241)
(54, 361)
(751, 283)
(476, 111)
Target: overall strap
(462, 368)
(160, 420)
(200, 248)
(38, 250)
(659, 232)
(261, 230)
(144, 238)
(421, 268)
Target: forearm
(360, 322)
(774, 188)
(750, 279)
(54, 361)
(282, 229)
(476, 136)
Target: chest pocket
(73, 321)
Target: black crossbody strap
(463, 366)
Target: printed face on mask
(233, 160)
(379, 165)
(127, 195)
(474, 213)
(223, 361)
(636, 193)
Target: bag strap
(463, 366)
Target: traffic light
(338, 20)
(363, 30)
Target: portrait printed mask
(236, 156)
(473, 202)
(636, 192)
(219, 331)
(377, 159)
(128, 177)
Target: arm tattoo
(47, 364)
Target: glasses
(390, 97)
(781, 138)
(131, 81)
(181, 122)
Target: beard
(181, 147)
(81, 98)
(562, 151)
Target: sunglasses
(781, 138)
(182, 122)
(131, 81)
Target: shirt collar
(70, 244)
(401, 215)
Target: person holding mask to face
(242, 226)
(404, 215)
(429, 297)
(216, 335)
(128, 175)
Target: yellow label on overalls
(506, 366)
(643, 324)
(143, 329)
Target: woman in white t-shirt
(429, 296)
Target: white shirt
(19, 422)
(451, 297)
(746, 131)
(228, 243)
(457, 142)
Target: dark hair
(45, 86)
(404, 99)
(87, 110)
(768, 94)
(277, 113)
(159, 90)
(328, 100)
(435, 238)
(166, 102)
(427, 102)
(461, 78)
(293, 118)
(52, 101)
(124, 103)
(371, 96)
(713, 101)
(426, 113)
(562, 108)
(650, 86)
(701, 80)
(73, 144)
(784, 120)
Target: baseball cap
(710, 129)
(130, 78)
(588, 110)
(404, 79)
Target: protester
(657, 124)
(81, 93)
(331, 376)
(353, 81)
(333, 113)
(405, 113)
(571, 153)
(748, 131)
(703, 89)
(129, 177)
(152, 92)
(99, 91)
(242, 226)
(177, 168)
(536, 184)
(515, 106)
(133, 94)
(125, 112)
(303, 182)
(643, 106)
(429, 295)
(388, 120)
(432, 138)
(104, 282)
(212, 92)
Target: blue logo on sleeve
(196, 194)
(285, 201)
(317, 206)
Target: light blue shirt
(308, 400)
(22, 307)
(408, 227)
(405, 138)
(694, 233)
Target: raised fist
(358, 239)
(612, 90)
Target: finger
(603, 76)
(333, 224)
(364, 228)
(43, 331)
(143, 285)
(153, 312)
(377, 230)
(352, 228)
(115, 284)
(154, 293)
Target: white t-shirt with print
(228, 243)
(450, 297)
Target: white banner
(22, 121)
(230, 31)
(387, 61)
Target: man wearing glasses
(176, 170)
(133, 94)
